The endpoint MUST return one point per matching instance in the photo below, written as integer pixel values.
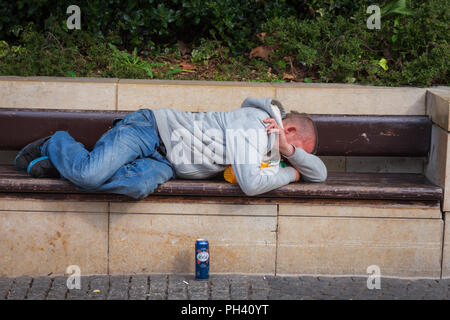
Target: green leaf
(383, 63)
(307, 80)
(398, 6)
(4, 48)
(282, 64)
(174, 71)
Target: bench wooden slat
(360, 135)
(386, 186)
(350, 135)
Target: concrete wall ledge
(314, 237)
(128, 94)
(205, 82)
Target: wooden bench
(338, 135)
(304, 221)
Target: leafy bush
(408, 50)
(130, 65)
(49, 54)
(143, 23)
(58, 53)
(309, 40)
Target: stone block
(40, 238)
(58, 93)
(347, 246)
(351, 99)
(193, 96)
(164, 242)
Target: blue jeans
(124, 160)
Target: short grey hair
(303, 120)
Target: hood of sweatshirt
(272, 106)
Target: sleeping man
(149, 147)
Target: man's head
(301, 131)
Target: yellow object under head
(229, 176)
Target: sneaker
(28, 153)
(42, 167)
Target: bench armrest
(438, 161)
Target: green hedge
(143, 23)
(407, 50)
(325, 40)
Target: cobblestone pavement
(156, 287)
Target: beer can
(201, 259)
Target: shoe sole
(42, 168)
(28, 153)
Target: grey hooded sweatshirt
(200, 145)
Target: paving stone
(223, 287)
(239, 287)
(19, 288)
(369, 294)
(177, 287)
(432, 282)
(446, 282)
(333, 290)
(58, 289)
(198, 290)
(82, 293)
(341, 281)
(308, 279)
(158, 287)
(352, 291)
(260, 295)
(40, 288)
(275, 283)
(259, 288)
(219, 282)
(98, 288)
(139, 287)
(5, 286)
(118, 287)
(236, 278)
(436, 293)
(388, 296)
(277, 295)
(220, 288)
(415, 294)
(239, 292)
(418, 285)
(320, 286)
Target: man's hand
(285, 148)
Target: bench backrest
(350, 135)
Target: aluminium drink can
(201, 259)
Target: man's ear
(292, 130)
